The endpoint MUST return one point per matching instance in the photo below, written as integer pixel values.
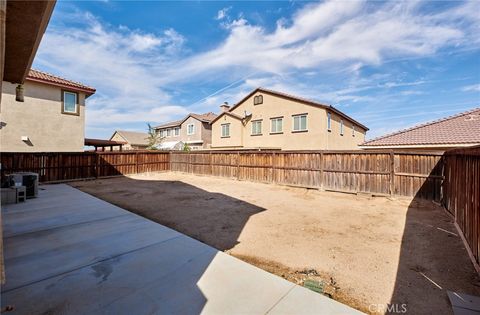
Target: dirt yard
(367, 251)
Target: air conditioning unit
(27, 179)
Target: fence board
(461, 196)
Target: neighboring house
(51, 117)
(266, 119)
(460, 130)
(133, 140)
(194, 130)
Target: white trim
(188, 129)
(299, 124)
(75, 111)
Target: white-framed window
(341, 127)
(276, 125)
(353, 130)
(162, 133)
(225, 130)
(190, 129)
(329, 121)
(70, 105)
(176, 131)
(169, 132)
(258, 100)
(300, 122)
(256, 127)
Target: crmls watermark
(388, 308)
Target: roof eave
(87, 91)
(26, 22)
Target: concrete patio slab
(67, 252)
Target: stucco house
(194, 130)
(457, 131)
(132, 140)
(50, 118)
(266, 119)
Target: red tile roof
(43, 77)
(462, 128)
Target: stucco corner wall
(40, 118)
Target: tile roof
(462, 128)
(175, 123)
(133, 137)
(207, 117)
(40, 76)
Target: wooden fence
(452, 178)
(377, 172)
(55, 167)
(461, 196)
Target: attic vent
(258, 100)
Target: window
(169, 132)
(225, 130)
(258, 100)
(70, 105)
(300, 122)
(162, 133)
(341, 127)
(256, 127)
(277, 125)
(353, 130)
(329, 121)
(177, 131)
(190, 129)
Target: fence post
(136, 162)
(97, 165)
(392, 173)
(238, 165)
(321, 170)
(273, 167)
(210, 161)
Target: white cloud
(223, 13)
(332, 32)
(138, 73)
(471, 88)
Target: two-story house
(268, 119)
(194, 130)
(45, 114)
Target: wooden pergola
(101, 143)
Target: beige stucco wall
(236, 133)
(40, 118)
(316, 138)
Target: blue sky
(389, 65)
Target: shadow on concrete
(212, 218)
(432, 258)
(93, 261)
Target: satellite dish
(247, 114)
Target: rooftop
(133, 137)
(462, 128)
(206, 117)
(44, 77)
(296, 99)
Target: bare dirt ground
(367, 251)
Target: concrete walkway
(67, 252)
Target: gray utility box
(27, 179)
